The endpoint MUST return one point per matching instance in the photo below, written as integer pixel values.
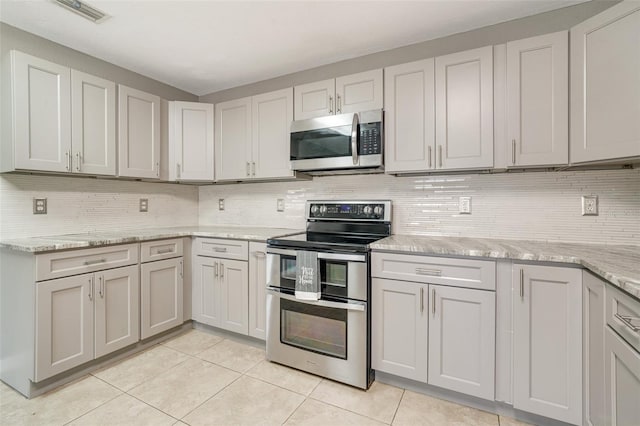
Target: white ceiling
(206, 46)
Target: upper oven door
(341, 275)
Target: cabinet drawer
(64, 263)
(623, 315)
(227, 249)
(468, 273)
(160, 249)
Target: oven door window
(321, 143)
(314, 328)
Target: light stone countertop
(95, 239)
(617, 264)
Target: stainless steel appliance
(329, 337)
(345, 141)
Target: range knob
(378, 211)
(314, 209)
(323, 209)
(367, 210)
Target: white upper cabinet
(190, 141)
(605, 85)
(409, 116)
(252, 137)
(139, 133)
(233, 139)
(93, 124)
(464, 109)
(41, 116)
(272, 117)
(538, 100)
(351, 93)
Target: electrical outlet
(144, 205)
(220, 203)
(589, 205)
(464, 205)
(39, 206)
(280, 204)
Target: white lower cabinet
(462, 340)
(221, 292)
(547, 335)
(622, 381)
(161, 296)
(593, 319)
(257, 290)
(399, 328)
(83, 317)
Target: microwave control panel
(370, 139)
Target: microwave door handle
(355, 135)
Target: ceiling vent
(83, 9)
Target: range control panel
(360, 210)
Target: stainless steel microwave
(335, 142)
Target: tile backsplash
(77, 205)
(532, 205)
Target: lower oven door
(322, 337)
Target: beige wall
(543, 23)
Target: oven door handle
(355, 135)
(351, 306)
(321, 255)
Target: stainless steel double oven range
(330, 337)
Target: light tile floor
(199, 378)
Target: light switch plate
(464, 205)
(144, 205)
(589, 205)
(280, 204)
(39, 206)
(220, 203)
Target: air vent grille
(83, 9)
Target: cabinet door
(139, 133)
(233, 139)
(42, 114)
(314, 99)
(409, 116)
(399, 328)
(117, 309)
(206, 290)
(272, 117)
(257, 290)
(234, 294)
(359, 92)
(462, 340)
(191, 141)
(622, 381)
(93, 124)
(593, 297)
(64, 324)
(464, 109)
(547, 353)
(605, 85)
(161, 296)
(538, 100)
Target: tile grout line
(95, 408)
(395, 413)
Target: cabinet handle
(433, 301)
(429, 155)
(158, 169)
(91, 288)
(430, 272)
(421, 299)
(178, 171)
(101, 287)
(94, 262)
(253, 168)
(339, 104)
(521, 283)
(220, 249)
(248, 169)
(215, 270)
(165, 251)
(440, 155)
(68, 159)
(78, 161)
(181, 269)
(513, 151)
(627, 320)
(221, 270)
(330, 104)
(259, 254)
